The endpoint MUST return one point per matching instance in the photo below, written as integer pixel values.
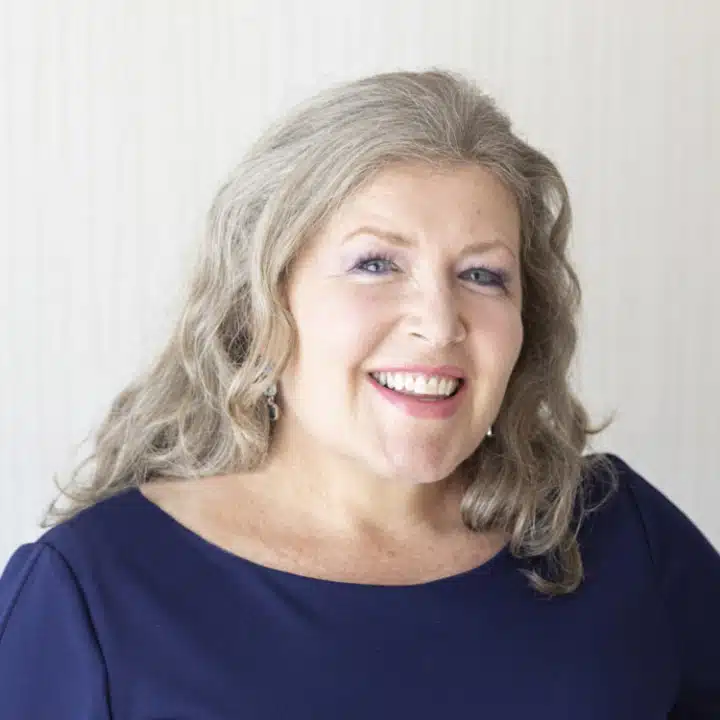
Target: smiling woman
(430, 299)
(356, 476)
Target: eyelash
(500, 277)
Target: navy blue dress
(124, 613)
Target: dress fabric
(123, 613)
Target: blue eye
(374, 259)
(498, 278)
(485, 276)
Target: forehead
(464, 201)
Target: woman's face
(445, 291)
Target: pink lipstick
(422, 407)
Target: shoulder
(617, 494)
(32, 570)
(123, 539)
(667, 529)
(641, 521)
(62, 551)
(99, 528)
(113, 543)
(678, 548)
(125, 520)
(51, 663)
(29, 561)
(110, 549)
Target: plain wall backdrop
(119, 121)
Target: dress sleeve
(51, 666)
(688, 571)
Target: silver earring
(273, 408)
(489, 432)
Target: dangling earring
(489, 432)
(273, 408)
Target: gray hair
(199, 409)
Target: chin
(419, 475)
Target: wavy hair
(199, 410)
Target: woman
(353, 483)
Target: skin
(340, 446)
(353, 479)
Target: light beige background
(118, 121)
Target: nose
(436, 317)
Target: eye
(374, 259)
(373, 264)
(486, 276)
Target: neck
(339, 496)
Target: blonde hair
(199, 409)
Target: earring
(489, 432)
(273, 408)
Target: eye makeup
(496, 276)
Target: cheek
(361, 320)
(340, 327)
(338, 332)
(513, 334)
(498, 337)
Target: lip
(416, 407)
(447, 370)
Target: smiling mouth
(419, 396)
(426, 398)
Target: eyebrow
(398, 239)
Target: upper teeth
(417, 383)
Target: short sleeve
(51, 666)
(688, 571)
